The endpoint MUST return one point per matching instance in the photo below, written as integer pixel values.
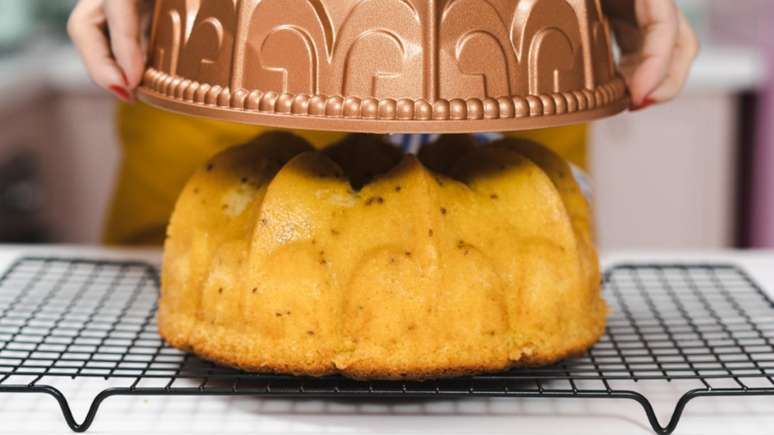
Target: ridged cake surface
(361, 261)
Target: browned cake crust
(357, 260)
(219, 351)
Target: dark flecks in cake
(407, 253)
(360, 307)
(463, 245)
(412, 327)
(264, 221)
(494, 196)
(310, 332)
(255, 290)
(210, 167)
(224, 207)
(220, 290)
(196, 190)
(243, 180)
(444, 211)
(335, 232)
(278, 314)
(392, 260)
(374, 199)
(430, 232)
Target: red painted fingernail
(121, 93)
(647, 102)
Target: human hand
(658, 48)
(110, 36)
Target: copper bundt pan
(385, 66)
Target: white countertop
(191, 415)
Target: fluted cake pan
(385, 66)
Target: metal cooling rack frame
(75, 318)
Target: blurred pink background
(749, 22)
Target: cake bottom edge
(228, 350)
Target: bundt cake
(362, 261)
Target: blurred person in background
(162, 150)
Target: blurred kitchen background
(695, 174)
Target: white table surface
(194, 415)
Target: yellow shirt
(161, 150)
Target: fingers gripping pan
(385, 66)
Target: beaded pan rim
(374, 115)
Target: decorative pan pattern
(385, 66)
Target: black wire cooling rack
(65, 318)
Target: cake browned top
(385, 65)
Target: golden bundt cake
(361, 261)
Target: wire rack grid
(77, 318)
